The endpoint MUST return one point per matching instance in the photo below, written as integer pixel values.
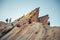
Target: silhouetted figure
(10, 20)
(29, 21)
(6, 20)
(18, 25)
(48, 23)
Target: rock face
(29, 27)
(32, 16)
(34, 31)
(4, 28)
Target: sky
(17, 8)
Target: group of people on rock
(8, 20)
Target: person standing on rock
(6, 20)
(10, 20)
(49, 23)
(29, 21)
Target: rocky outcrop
(33, 16)
(4, 28)
(34, 31)
(29, 27)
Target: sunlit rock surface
(29, 27)
(34, 31)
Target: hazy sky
(16, 8)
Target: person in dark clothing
(29, 21)
(6, 20)
(48, 23)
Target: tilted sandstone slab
(32, 16)
(34, 31)
(4, 28)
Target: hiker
(48, 23)
(10, 20)
(6, 20)
(29, 21)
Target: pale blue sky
(16, 8)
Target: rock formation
(30, 27)
(4, 28)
